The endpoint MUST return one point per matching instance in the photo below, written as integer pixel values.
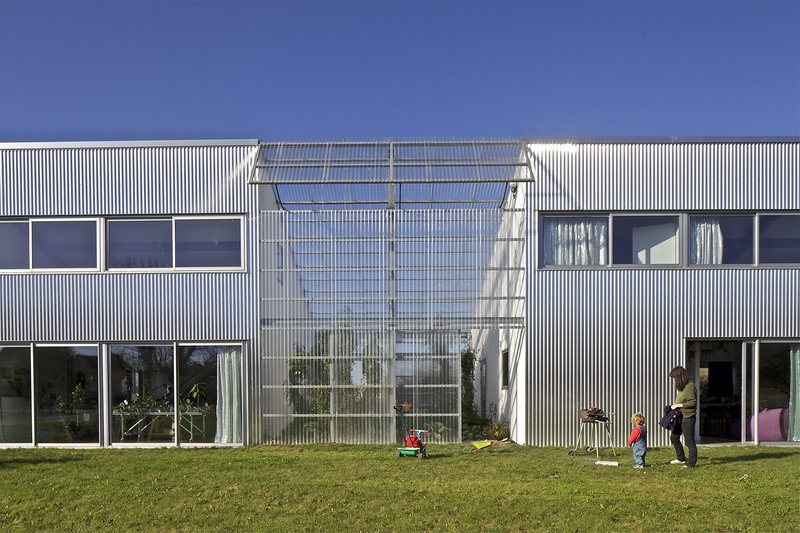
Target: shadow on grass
(772, 454)
(11, 462)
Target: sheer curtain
(705, 241)
(794, 394)
(575, 241)
(229, 395)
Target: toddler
(638, 439)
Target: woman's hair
(681, 377)
(637, 419)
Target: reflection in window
(211, 393)
(575, 241)
(67, 394)
(779, 392)
(721, 240)
(14, 249)
(645, 240)
(64, 244)
(779, 239)
(15, 394)
(208, 243)
(139, 244)
(141, 389)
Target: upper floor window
(64, 244)
(779, 239)
(721, 239)
(703, 239)
(645, 240)
(575, 241)
(139, 244)
(146, 243)
(208, 242)
(14, 251)
(48, 244)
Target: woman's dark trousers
(687, 429)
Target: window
(575, 241)
(141, 386)
(143, 393)
(645, 240)
(504, 371)
(165, 243)
(15, 392)
(67, 394)
(64, 243)
(208, 242)
(211, 392)
(779, 239)
(721, 239)
(14, 252)
(139, 244)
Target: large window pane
(139, 244)
(645, 240)
(15, 394)
(575, 241)
(141, 388)
(779, 392)
(66, 394)
(779, 239)
(208, 243)
(64, 244)
(721, 240)
(14, 245)
(211, 393)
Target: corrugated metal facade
(89, 179)
(608, 337)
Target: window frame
(679, 236)
(725, 266)
(757, 239)
(98, 235)
(242, 244)
(587, 214)
(683, 235)
(109, 220)
(27, 221)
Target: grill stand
(594, 435)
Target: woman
(686, 401)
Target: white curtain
(794, 394)
(575, 241)
(229, 395)
(705, 241)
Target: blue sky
(407, 70)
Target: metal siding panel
(129, 181)
(694, 176)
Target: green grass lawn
(365, 488)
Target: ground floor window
(107, 394)
(749, 390)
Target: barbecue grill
(597, 420)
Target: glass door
(718, 365)
(749, 396)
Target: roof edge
(666, 140)
(125, 144)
